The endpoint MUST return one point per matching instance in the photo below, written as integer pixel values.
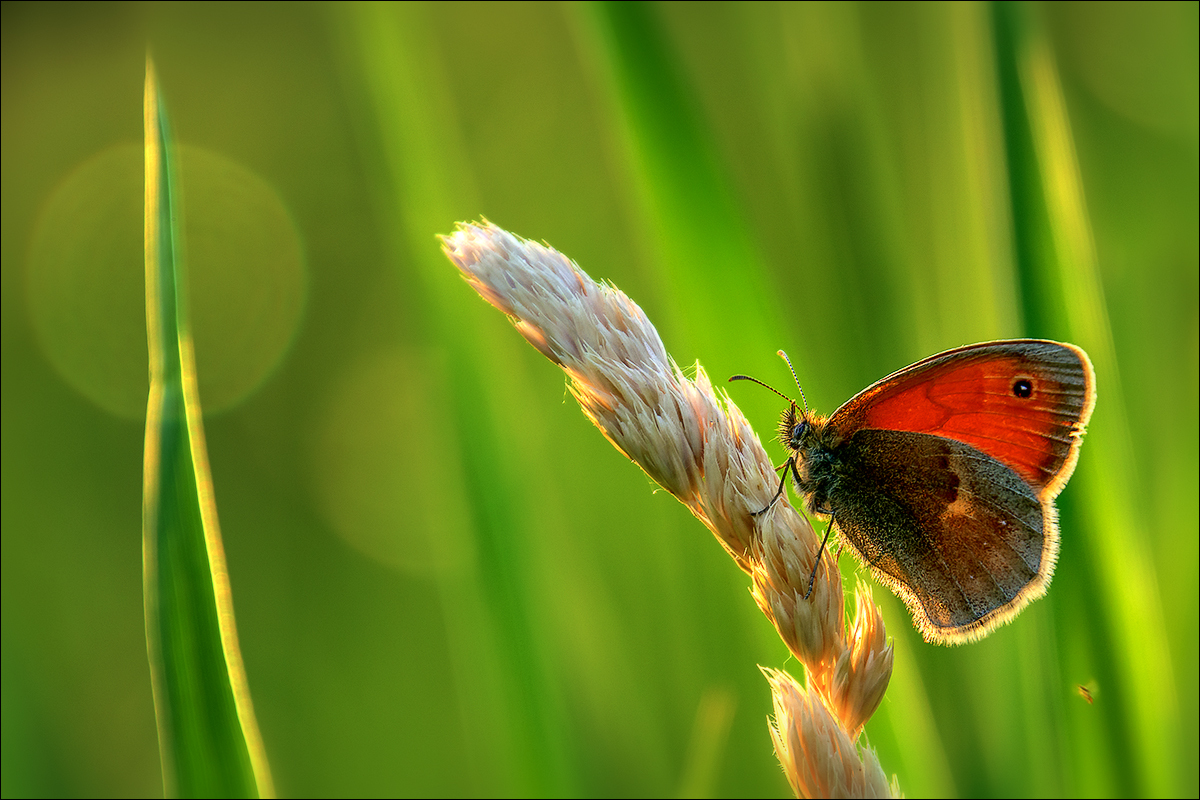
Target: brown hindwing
(958, 535)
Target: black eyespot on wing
(1022, 388)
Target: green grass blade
(424, 184)
(1062, 298)
(711, 261)
(704, 248)
(208, 739)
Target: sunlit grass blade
(704, 248)
(208, 738)
(707, 252)
(1062, 298)
(515, 729)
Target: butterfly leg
(779, 491)
(813, 576)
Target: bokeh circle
(85, 285)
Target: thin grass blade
(208, 739)
(1062, 298)
(701, 240)
(424, 181)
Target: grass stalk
(695, 443)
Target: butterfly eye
(1022, 388)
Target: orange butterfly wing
(963, 527)
(1024, 402)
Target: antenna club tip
(781, 354)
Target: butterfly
(942, 476)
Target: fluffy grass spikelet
(694, 442)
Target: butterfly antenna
(783, 355)
(765, 386)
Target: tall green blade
(700, 238)
(1126, 639)
(492, 617)
(208, 739)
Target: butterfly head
(796, 427)
(799, 428)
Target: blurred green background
(446, 580)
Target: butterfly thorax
(816, 467)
